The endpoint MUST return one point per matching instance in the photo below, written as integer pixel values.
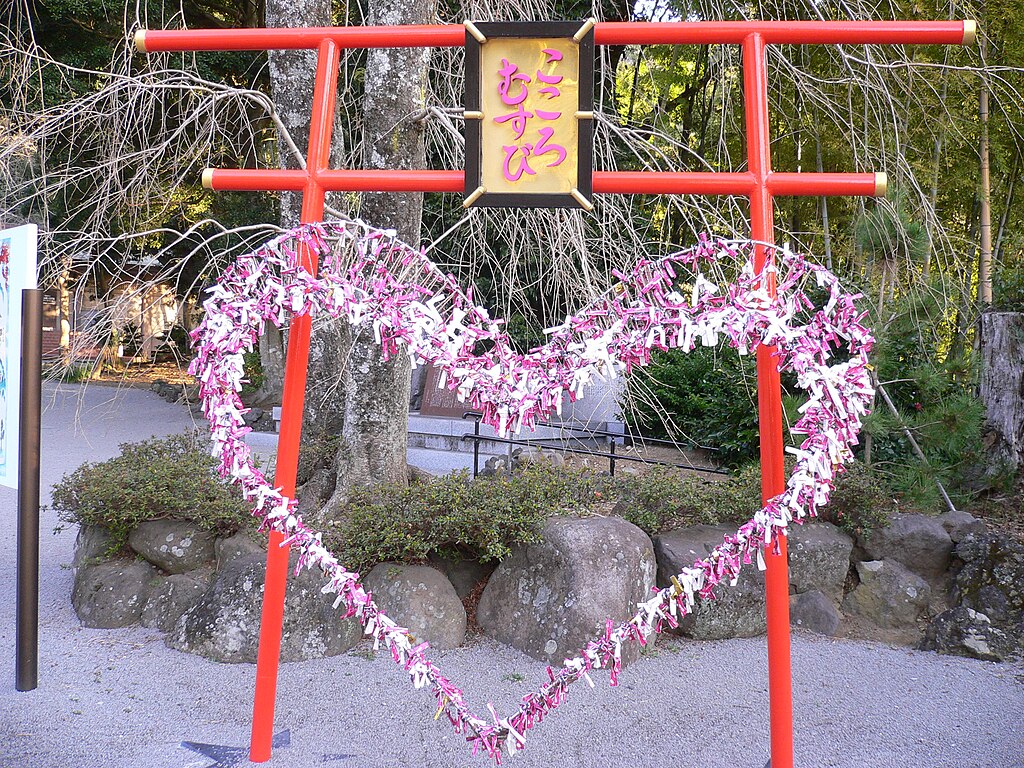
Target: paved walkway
(121, 699)
(264, 445)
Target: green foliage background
(171, 477)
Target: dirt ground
(142, 374)
(1003, 510)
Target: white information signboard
(17, 271)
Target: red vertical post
(269, 655)
(769, 405)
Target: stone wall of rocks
(204, 592)
(258, 419)
(943, 583)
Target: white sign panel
(17, 271)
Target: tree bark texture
(1002, 383)
(353, 393)
(272, 359)
(292, 75)
(375, 421)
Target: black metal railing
(611, 455)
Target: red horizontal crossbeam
(608, 182)
(605, 33)
(785, 184)
(274, 180)
(796, 32)
(280, 38)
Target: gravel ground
(115, 698)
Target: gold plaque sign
(529, 114)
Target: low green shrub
(929, 370)
(316, 452)
(69, 373)
(664, 499)
(252, 370)
(1008, 287)
(453, 516)
(707, 395)
(170, 477)
(862, 500)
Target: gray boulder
(888, 595)
(169, 392)
(266, 423)
(176, 546)
(919, 542)
(252, 415)
(422, 600)
(819, 559)
(530, 456)
(961, 631)
(172, 596)
(992, 578)
(242, 544)
(959, 525)
(464, 574)
(113, 593)
(737, 611)
(91, 545)
(549, 599)
(418, 475)
(191, 393)
(224, 625)
(496, 465)
(991, 582)
(815, 612)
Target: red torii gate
(759, 183)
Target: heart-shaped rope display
(369, 277)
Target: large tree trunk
(1002, 384)
(292, 74)
(376, 416)
(354, 394)
(272, 356)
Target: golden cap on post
(881, 184)
(208, 178)
(475, 195)
(474, 30)
(588, 25)
(970, 32)
(580, 198)
(140, 40)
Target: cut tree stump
(1002, 383)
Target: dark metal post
(611, 456)
(476, 446)
(27, 621)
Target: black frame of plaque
(473, 103)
